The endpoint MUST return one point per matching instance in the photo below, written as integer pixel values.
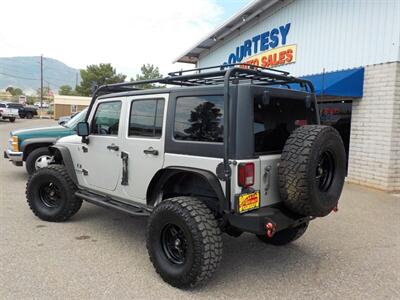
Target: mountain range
(24, 72)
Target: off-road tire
(12, 120)
(299, 188)
(29, 115)
(285, 236)
(32, 156)
(203, 236)
(68, 206)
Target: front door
(101, 163)
(144, 143)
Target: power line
(19, 77)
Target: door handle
(113, 147)
(151, 151)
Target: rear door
(143, 146)
(272, 125)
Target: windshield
(80, 117)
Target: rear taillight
(246, 174)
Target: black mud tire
(12, 120)
(201, 235)
(29, 115)
(285, 236)
(65, 206)
(311, 170)
(33, 156)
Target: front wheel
(38, 159)
(11, 120)
(184, 241)
(50, 193)
(285, 236)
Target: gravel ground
(100, 254)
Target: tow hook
(270, 229)
(335, 209)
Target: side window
(106, 119)
(199, 118)
(2, 105)
(146, 118)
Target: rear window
(274, 123)
(199, 118)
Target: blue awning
(347, 83)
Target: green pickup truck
(31, 145)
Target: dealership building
(68, 105)
(349, 49)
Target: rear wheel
(29, 115)
(184, 241)
(285, 236)
(38, 159)
(50, 193)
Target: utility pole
(41, 85)
(76, 80)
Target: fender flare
(31, 141)
(163, 175)
(67, 160)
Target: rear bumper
(15, 157)
(255, 221)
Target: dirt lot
(100, 254)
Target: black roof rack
(212, 76)
(223, 74)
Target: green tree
(10, 89)
(97, 75)
(148, 71)
(18, 92)
(66, 90)
(14, 91)
(205, 123)
(47, 93)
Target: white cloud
(125, 33)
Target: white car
(8, 113)
(44, 105)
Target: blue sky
(151, 31)
(231, 6)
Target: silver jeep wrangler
(231, 149)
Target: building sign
(22, 99)
(275, 57)
(267, 49)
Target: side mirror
(82, 129)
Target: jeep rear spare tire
(312, 170)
